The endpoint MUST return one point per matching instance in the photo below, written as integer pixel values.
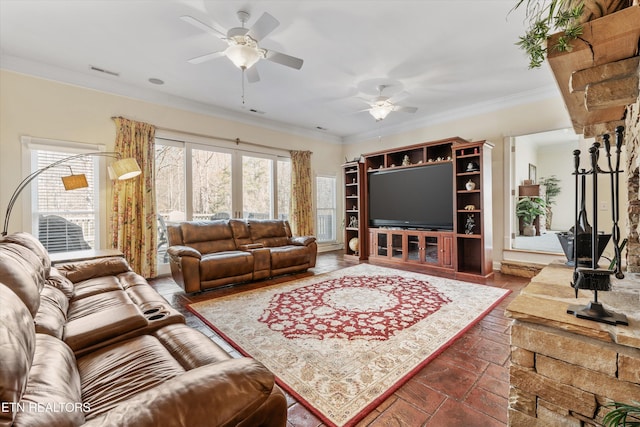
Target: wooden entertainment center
(462, 251)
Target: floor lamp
(121, 169)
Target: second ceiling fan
(243, 44)
(382, 105)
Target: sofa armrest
(184, 262)
(302, 240)
(97, 327)
(180, 251)
(220, 394)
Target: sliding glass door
(202, 182)
(257, 186)
(211, 183)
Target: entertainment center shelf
(354, 216)
(409, 156)
(427, 205)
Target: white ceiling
(452, 57)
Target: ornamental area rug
(342, 342)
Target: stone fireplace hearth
(564, 370)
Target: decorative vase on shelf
(470, 185)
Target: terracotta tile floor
(466, 385)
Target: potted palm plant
(528, 209)
(552, 189)
(545, 17)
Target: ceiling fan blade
(284, 59)
(205, 58)
(405, 109)
(252, 74)
(365, 100)
(398, 97)
(263, 26)
(204, 27)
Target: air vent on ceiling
(102, 70)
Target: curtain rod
(237, 141)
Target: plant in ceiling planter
(626, 415)
(528, 209)
(545, 17)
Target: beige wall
(41, 108)
(45, 109)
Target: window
(64, 220)
(326, 208)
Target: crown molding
(101, 84)
(521, 98)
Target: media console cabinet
(462, 250)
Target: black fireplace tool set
(587, 274)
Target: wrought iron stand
(594, 278)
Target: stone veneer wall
(562, 379)
(632, 143)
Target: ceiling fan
(243, 44)
(383, 105)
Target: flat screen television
(417, 197)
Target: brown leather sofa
(91, 343)
(207, 254)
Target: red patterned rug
(342, 342)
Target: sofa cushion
(82, 307)
(120, 371)
(34, 245)
(189, 346)
(17, 347)
(52, 313)
(235, 392)
(208, 236)
(57, 280)
(288, 256)
(241, 233)
(98, 285)
(225, 264)
(269, 233)
(52, 396)
(95, 268)
(23, 272)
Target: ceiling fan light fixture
(244, 53)
(380, 110)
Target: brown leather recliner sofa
(92, 344)
(207, 254)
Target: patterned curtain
(301, 203)
(133, 221)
